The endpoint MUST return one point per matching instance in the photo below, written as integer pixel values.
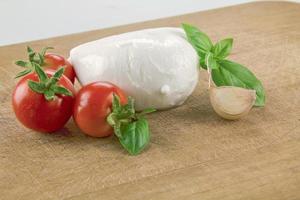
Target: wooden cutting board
(193, 154)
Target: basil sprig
(131, 128)
(224, 72)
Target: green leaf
(23, 73)
(202, 62)
(224, 72)
(233, 74)
(131, 128)
(223, 48)
(62, 90)
(217, 76)
(40, 72)
(199, 40)
(135, 136)
(22, 63)
(36, 87)
(210, 61)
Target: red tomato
(54, 62)
(35, 112)
(92, 106)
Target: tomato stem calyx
(130, 127)
(33, 57)
(48, 86)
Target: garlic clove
(231, 102)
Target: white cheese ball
(157, 67)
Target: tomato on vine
(48, 61)
(43, 101)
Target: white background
(24, 20)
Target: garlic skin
(231, 102)
(157, 67)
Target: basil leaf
(202, 62)
(223, 48)
(199, 40)
(135, 136)
(233, 74)
(211, 61)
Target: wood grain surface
(193, 154)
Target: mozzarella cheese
(157, 67)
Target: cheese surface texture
(157, 67)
